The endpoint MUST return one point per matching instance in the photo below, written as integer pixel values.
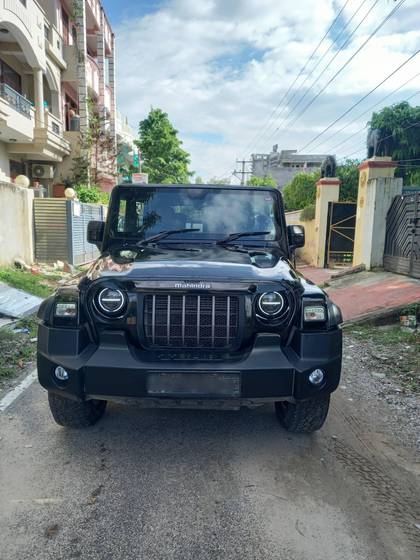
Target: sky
(223, 71)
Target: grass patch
(41, 285)
(16, 349)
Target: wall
(307, 253)
(16, 236)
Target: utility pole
(242, 173)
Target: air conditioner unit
(42, 171)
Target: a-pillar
(377, 189)
(327, 190)
(39, 98)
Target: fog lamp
(61, 374)
(314, 313)
(316, 377)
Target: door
(341, 226)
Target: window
(10, 77)
(66, 26)
(214, 213)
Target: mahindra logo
(193, 285)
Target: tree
(300, 192)
(97, 151)
(348, 172)
(402, 123)
(163, 157)
(266, 181)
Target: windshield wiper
(164, 234)
(234, 236)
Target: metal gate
(402, 240)
(341, 226)
(60, 227)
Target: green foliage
(91, 194)
(308, 213)
(198, 180)
(37, 284)
(266, 181)
(402, 121)
(163, 157)
(348, 172)
(300, 192)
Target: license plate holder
(194, 384)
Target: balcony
(92, 74)
(17, 116)
(93, 14)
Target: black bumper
(116, 369)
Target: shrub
(308, 213)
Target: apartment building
(56, 59)
(284, 165)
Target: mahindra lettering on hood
(193, 302)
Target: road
(156, 484)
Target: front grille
(191, 321)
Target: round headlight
(271, 304)
(110, 301)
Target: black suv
(192, 303)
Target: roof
(201, 186)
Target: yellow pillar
(327, 190)
(371, 170)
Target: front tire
(75, 414)
(304, 416)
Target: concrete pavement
(365, 292)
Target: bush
(91, 194)
(300, 192)
(308, 213)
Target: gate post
(377, 189)
(327, 190)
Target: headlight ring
(110, 302)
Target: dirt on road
(168, 484)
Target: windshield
(139, 212)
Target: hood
(193, 263)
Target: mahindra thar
(193, 302)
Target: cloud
(220, 67)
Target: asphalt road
(170, 484)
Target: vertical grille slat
(191, 321)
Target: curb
(379, 317)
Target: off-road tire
(305, 416)
(75, 414)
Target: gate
(341, 226)
(402, 240)
(60, 227)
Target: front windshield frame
(113, 236)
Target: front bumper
(114, 369)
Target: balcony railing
(16, 100)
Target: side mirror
(296, 236)
(95, 233)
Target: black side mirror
(296, 236)
(95, 233)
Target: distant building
(282, 166)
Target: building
(57, 59)
(282, 166)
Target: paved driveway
(156, 484)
